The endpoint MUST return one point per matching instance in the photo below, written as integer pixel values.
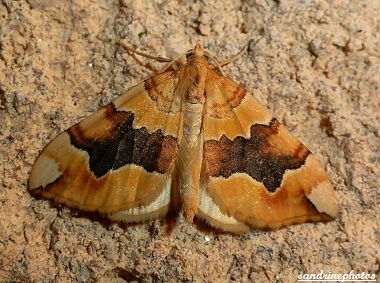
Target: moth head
(197, 51)
(199, 55)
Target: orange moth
(192, 138)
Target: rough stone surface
(314, 63)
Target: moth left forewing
(254, 172)
(119, 161)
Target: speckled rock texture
(315, 64)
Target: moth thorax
(195, 88)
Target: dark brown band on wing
(254, 156)
(121, 144)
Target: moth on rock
(191, 136)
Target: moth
(192, 139)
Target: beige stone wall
(315, 64)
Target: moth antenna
(237, 56)
(173, 62)
(216, 64)
(157, 58)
